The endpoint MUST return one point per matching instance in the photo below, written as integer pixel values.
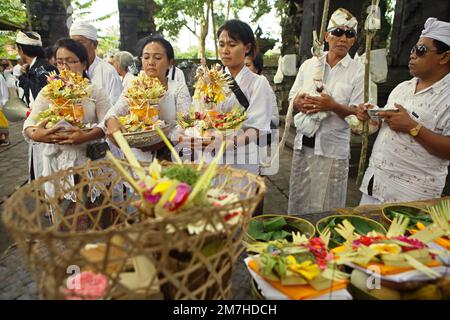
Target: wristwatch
(415, 131)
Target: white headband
(342, 18)
(85, 29)
(22, 38)
(438, 30)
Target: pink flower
(414, 244)
(153, 199)
(182, 193)
(317, 247)
(86, 286)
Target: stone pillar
(409, 18)
(136, 22)
(49, 19)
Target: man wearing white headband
(33, 77)
(320, 161)
(34, 73)
(100, 72)
(412, 152)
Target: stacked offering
(143, 97)
(204, 120)
(65, 91)
(302, 269)
(402, 264)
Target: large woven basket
(185, 266)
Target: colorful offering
(65, 91)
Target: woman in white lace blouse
(63, 151)
(157, 56)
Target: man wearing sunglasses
(321, 154)
(411, 154)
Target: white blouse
(176, 99)
(260, 96)
(403, 170)
(60, 157)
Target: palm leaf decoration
(398, 226)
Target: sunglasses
(420, 50)
(338, 32)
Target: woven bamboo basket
(141, 257)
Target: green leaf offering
(362, 226)
(268, 230)
(415, 215)
(182, 174)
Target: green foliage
(13, 13)
(192, 53)
(268, 230)
(182, 174)
(7, 39)
(173, 15)
(83, 8)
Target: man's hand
(24, 68)
(361, 111)
(321, 103)
(41, 134)
(399, 121)
(300, 103)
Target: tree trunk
(50, 19)
(136, 21)
(213, 20)
(291, 25)
(204, 28)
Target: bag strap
(173, 73)
(237, 91)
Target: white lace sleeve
(183, 99)
(38, 105)
(102, 106)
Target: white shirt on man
(402, 169)
(103, 75)
(345, 82)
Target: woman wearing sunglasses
(411, 154)
(320, 160)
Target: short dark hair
(49, 53)
(440, 46)
(258, 62)
(240, 31)
(73, 46)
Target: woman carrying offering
(157, 56)
(67, 149)
(249, 91)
